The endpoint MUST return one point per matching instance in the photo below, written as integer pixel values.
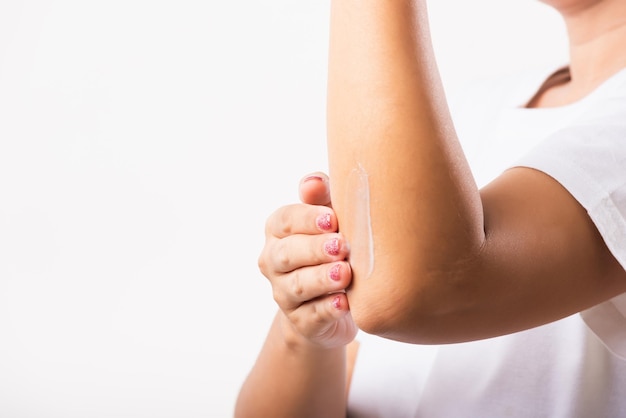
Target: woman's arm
(294, 378)
(302, 369)
(434, 259)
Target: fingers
(319, 319)
(314, 189)
(304, 258)
(324, 322)
(325, 318)
(300, 219)
(280, 256)
(311, 283)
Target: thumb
(314, 189)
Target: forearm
(390, 138)
(292, 378)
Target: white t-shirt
(574, 367)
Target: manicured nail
(333, 273)
(337, 302)
(331, 247)
(323, 222)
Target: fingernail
(331, 247)
(323, 222)
(337, 302)
(333, 273)
(309, 178)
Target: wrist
(295, 342)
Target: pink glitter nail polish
(337, 302)
(333, 273)
(323, 222)
(332, 247)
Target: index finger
(301, 218)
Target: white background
(142, 145)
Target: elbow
(391, 314)
(420, 307)
(378, 318)
(372, 306)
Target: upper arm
(543, 258)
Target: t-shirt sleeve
(589, 160)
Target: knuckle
(283, 257)
(274, 258)
(277, 223)
(304, 325)
(296, 285)
(285, 221)
(262, 264)
(297, 322)
(318, 318)
(279, 297)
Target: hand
(304, 259)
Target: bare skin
(596, 30)
(305, 351)
(451, 261)
(455, 264)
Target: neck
(597, 39)
(597, 35)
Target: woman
(480, 287)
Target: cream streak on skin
(362, 245)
